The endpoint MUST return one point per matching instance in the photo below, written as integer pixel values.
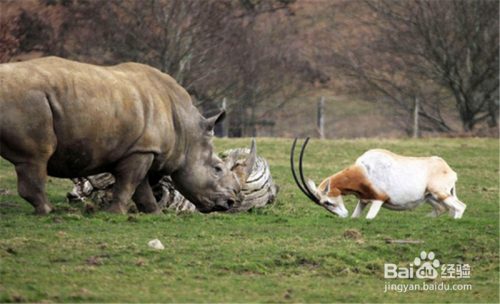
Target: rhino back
(97, 115)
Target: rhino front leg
(31, 180)
(129, 173)
(144, 198)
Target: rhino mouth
(224, 206)
(219, 204)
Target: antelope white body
(408, 182)
(405, 179)
(395, 182)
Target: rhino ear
(210, 123)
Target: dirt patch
(5, 192)
(95, 260)
(352, 234)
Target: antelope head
(322, 196)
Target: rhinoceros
(69, 119)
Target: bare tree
(430, 51)
(268, 70)
(235, 49)
(9, 43)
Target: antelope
(387, 180)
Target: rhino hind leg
(31, 180)
(129, 174)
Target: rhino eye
(218, 170)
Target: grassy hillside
(291, 251)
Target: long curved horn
(302, 186)
(311, 193)
(292, 165)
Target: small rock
(156, 244)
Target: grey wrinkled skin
(68, 119)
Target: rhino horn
(244, 169)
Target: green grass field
(291, 251)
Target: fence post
(415, 118)
(225, 123)
(321, 123)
